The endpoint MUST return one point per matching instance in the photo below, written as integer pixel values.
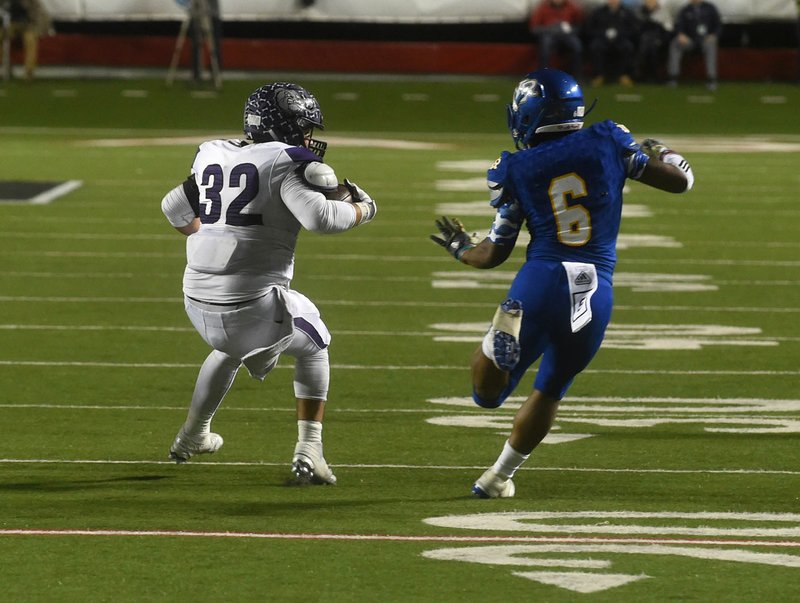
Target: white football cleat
(493, 485)
(309, 466)
(184, 447)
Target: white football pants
(256, 334)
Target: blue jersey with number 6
(570, 192)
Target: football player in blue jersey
(565, 182)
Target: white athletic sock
(309, 432)
(509, 461)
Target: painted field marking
(737, 415)
(654, 282)
(415, 259)
(482, 208)
(604, 523)
(382, 537)
(640, 282)
(87, 236)
(218, 463)
(608, 405)
(399, 304)
(399, 367)
(636, 336)
(195, 140)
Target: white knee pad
(312, 375)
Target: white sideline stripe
(15, 327)
(154, 329)
(91, 236)
(337, 277)
(77, 236)
(399, 466)
(18, 327)
(389, 367)
(416, 411)
(442, 259)
(388, 303)
(396, 537)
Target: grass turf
(98, 360)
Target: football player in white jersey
(242, 207)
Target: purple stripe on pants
(307, 328)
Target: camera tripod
(198, 16)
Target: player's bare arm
(464, 248)
(486, 254)
(666, 170)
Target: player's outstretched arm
(487, 254)
(666, 170)
(462, 246)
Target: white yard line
(396, 304)
(210, 463)
(397, 537)
(390, 367)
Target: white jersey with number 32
(253, 202)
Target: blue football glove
(454, 238)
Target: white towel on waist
(582, 285)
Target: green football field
(672, 473)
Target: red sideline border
(779, 64)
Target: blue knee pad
(490, 403)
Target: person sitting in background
(555, 25)
(612, 30)
(655, 25)
(697, 26)
(28, 21)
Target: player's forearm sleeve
(680, 162)
(313, 210)
(176, 207)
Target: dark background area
(757, 34)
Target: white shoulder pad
(320, 176)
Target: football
(341, 193)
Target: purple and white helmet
(283, 112)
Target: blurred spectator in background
(555, 25)
(655, 26)
(697, 27)
(28, 21)
(612, 30)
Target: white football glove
(363, 201)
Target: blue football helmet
(545, 101)
(283, 112)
